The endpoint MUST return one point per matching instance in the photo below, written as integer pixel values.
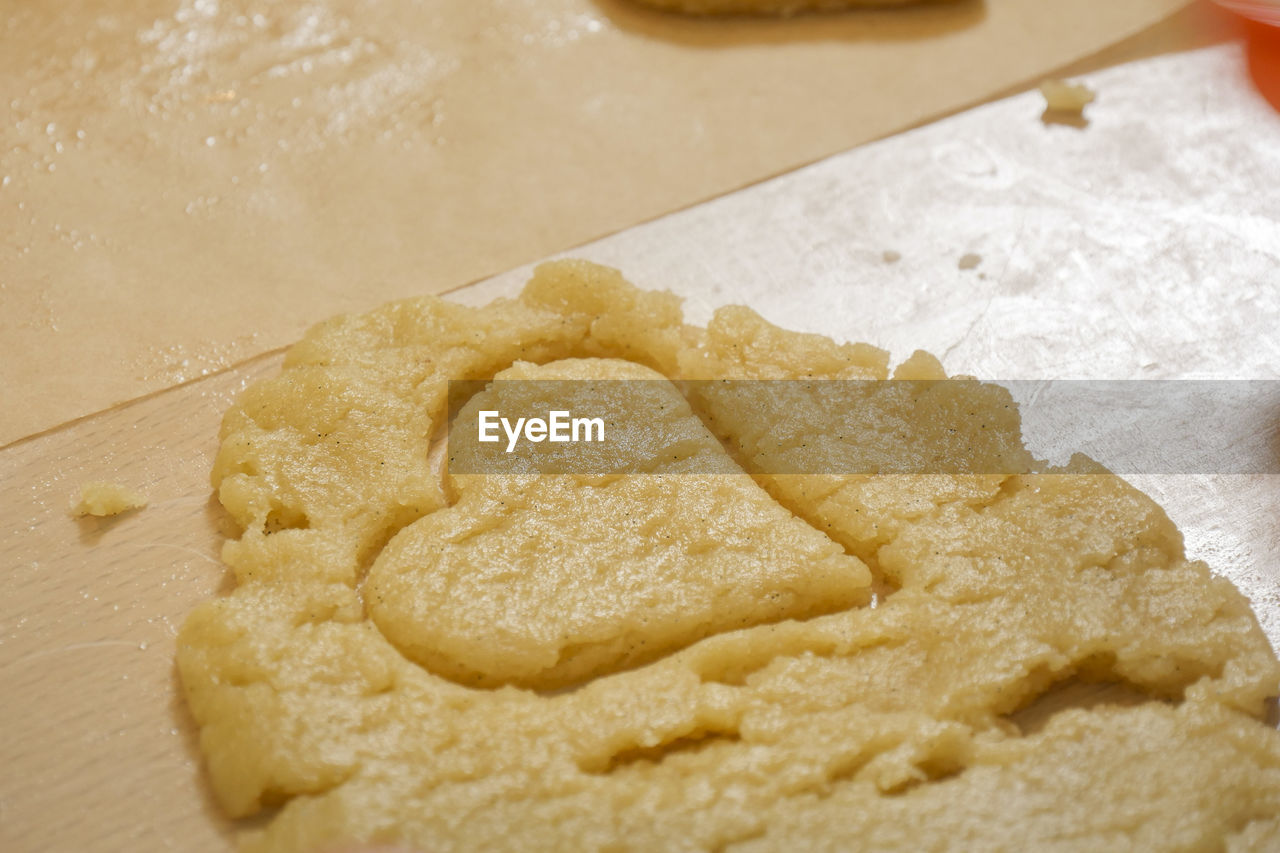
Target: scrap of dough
(1063, 97)
(100, 498)
(893, 726)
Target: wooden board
(98, 751)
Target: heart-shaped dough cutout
(547, 581)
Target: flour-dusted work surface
(1091, 262)
(170, 167)
(1143, 246)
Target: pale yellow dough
(688, 661)
(551, 580)
(101, 499)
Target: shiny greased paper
(186, 183)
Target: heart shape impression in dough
(548, 581)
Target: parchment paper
(186, 184)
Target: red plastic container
(1262, 36)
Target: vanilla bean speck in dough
(676, 661)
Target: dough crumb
(891, 257)
(1065, 102)
(103, 499)
(969, 261)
